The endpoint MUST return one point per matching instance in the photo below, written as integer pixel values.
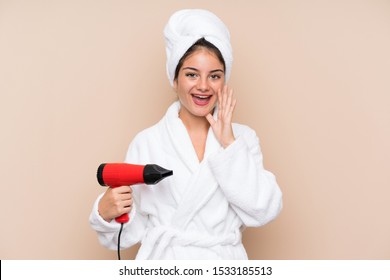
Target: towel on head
(187, 26)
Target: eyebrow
(194, 69)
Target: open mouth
(201, 100)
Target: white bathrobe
(200, 211)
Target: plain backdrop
(79, 78)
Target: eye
(191, 75)
(215, 77)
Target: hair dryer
(115, 175)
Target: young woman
(219, 185)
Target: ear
(175, 85)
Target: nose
(203, 84)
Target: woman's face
(199, 80)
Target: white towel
(187, 26)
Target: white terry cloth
(199, 212)
(187, 26)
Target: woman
(219, 184)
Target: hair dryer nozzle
(154, 174)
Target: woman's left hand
(222, 126)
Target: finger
(229, 101)
(126, 210)
(231, 111)
(125, 206)
(125, 197)
(123, 189)
(233, 101)
(127, 203)
(233, 105)
(118, 196)
(227, 104)
(218, 104)
(210, 119)
(224, 99)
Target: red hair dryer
(115, 175)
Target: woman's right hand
(115, 202)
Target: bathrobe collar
(182, 142)
(201, 184)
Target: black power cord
(119, 242)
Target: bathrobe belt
(157, 240)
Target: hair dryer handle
(122, 218)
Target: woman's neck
(197, 128)
(194, 123)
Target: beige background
(78, 79)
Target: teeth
(201, 96)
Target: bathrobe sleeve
(108, 231)
(251, 190)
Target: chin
(203, 112)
